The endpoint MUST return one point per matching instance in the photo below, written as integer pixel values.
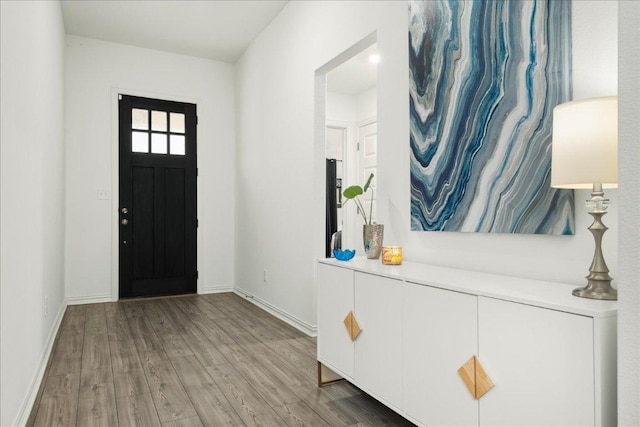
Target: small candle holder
(392, 255)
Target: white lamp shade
(585, 143)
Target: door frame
(115, 176)
(349, 165)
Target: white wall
(342, 108)
(557, 258)
(95, 71)
(32, 196)
(629, 153)
(352, 108)
(278, 201)
(278, 86)
(367, 104)
(595, 73)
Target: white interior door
(368, 161)
(359, 157)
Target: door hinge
(119, 97)
(197, 275)
(197, 172)
(196, 120)
(358, 146)
(197, 223)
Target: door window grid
(166, 135)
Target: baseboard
(107, 297)
(301, 325)
(89, 300)
(34, 387)
(214, 289)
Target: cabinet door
(378, 348)
(335, 301)
(441, 334)
(541, 362)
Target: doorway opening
(157, 210)
(350, 143)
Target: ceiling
(214, 29)
(356, 75)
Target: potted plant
(372, 233)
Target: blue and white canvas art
(484, 78)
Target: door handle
(124, 221)
(475, 378)
(353, 329)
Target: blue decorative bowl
(344, 255)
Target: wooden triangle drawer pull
(468, 374)
(475, 378)
(353, 329)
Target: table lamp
(585, 155)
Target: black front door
(157, 213)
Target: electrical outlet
(103, 195)
(264, 275)
(46, 306)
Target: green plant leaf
(353, 191)
(366, 186)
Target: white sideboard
(551, 356)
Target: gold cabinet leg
(322, 382)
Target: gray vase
(372, 235)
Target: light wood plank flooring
(206, 360)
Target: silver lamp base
(597, 292)
(598, 280)
(598, 287)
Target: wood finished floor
(212, 360)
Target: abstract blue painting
(484, 78)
